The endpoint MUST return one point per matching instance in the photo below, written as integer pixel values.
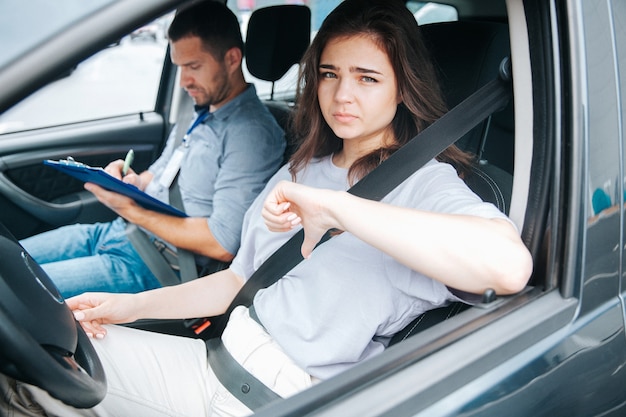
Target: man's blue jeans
(91, 257)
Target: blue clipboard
(99, 176)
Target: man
(227, 155)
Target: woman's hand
(465, 252)
(289, 205)
(93, 310)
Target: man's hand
(115, 170)
(119, 203)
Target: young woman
(368, 87)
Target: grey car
(553, 159)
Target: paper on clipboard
(100, 177)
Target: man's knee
(16, 400)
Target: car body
(557, 348)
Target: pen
(128, 161)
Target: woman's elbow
(514, 271)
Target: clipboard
(99, 176)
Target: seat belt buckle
(197, 325)
(170, 256)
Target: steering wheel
(40, 342)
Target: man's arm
(191, 233)
(245, 167)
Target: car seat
(276, 39)
(467, 56)
(460, 75)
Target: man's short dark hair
(214, 23)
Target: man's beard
(219, 95)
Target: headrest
(276, 39)
(467, 54)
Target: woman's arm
(468, 253)
(204, 297)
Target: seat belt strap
(142, 243)
(236, 379)
(388, 175)
(151, 256)
(186, 259)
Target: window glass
(285, 87)
(425, 12)
(124, 78)
(120, 80)
(618, 8)
(51, 17)
(428, 12)
(601, 122)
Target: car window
(18, 36)
(427, 12)
(120, 80)
(286, 86)
(424, 12)
(124, 78)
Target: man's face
(204, 78)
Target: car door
(118, 99)
(558, 348)
(619, 36)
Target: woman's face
(357, 92)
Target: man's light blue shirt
(227, 161)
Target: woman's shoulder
(433, 180)
(440, 173)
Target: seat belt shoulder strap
(425, 146)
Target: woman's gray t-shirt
(343, 304)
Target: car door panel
(503, 368)
(583, 353)
(429, 374)
(34, 197)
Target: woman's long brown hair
(392, 26)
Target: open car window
(284, 89)
(52, 18)
(120, 80)
(123, 79)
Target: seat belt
(374, 186)
(142, 243)
(186, 259)
(426, 145)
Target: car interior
(468, 54)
